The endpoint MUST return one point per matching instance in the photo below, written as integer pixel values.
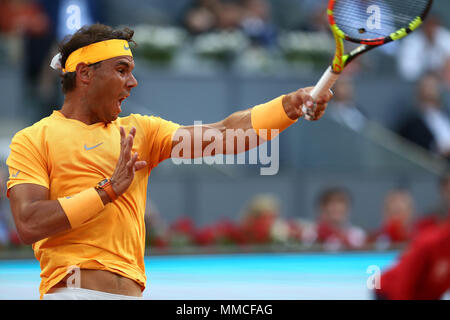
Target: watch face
(103, 183)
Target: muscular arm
(36, 217)
(195, 135)
(239, 126)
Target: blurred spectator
(253, 17)
(429, 125)
(398, 212)
(439, 214)
(201, 17)
(256, 22)
(22, 17)
(343, 108)
(229, 15)
(318, 20)
(213, 15)
(29, 21)
(60, 18)
(423, 271)
(259, 217)
(334, 230)
(425, 50)
(20, 20)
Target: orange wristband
(82, 206)
(270, 119)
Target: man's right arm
(35, 216)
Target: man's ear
(84, 73)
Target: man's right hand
(293, 104)
(128, 163)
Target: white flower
(220, 42)
(163, 38)
(279, 231)
(306, 42)
(356, 237)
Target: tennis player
(78, 178)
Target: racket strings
(372, 19)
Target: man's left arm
(252, 126)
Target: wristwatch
(107, 187)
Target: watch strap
(106, 185)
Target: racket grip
(325, 83)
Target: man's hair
(83, 37)
(334, 193)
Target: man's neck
(78, 109)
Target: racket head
(372, 23)
(375, 22)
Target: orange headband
(97, 52)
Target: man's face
(111, 84)
(335, 211)
(399, 207)
(430, 28)
(429, 92)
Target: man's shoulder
(138, 117)
(141, 120)
(36, 128)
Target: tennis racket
(371, 23)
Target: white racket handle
(325, 83)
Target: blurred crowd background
(371, 175)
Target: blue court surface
(299, 276)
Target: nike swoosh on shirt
(15, 175)
(91, 148)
